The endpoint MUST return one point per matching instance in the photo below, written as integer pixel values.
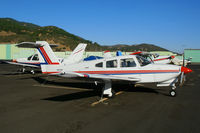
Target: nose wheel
(172, 92)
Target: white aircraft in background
(132, 68)
(155, 57)
(182, 62)
(33, 61)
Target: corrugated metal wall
(194, 53)
(10, 51)
(2, 51)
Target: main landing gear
(172, 92)
(107, 89)
(23, 70)
(32, 72)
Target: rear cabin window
(129, 62)
(99, 64)
(111, 64)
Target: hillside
(138, 47)
(12, 31)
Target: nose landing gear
(172, 92)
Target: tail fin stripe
(78, 51)
(42, 55)
(46, 57)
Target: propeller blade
(183, 59)
(182, 79)
(184, 70)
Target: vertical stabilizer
(77, 54)
(47, 53)
(51, 63)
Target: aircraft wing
(21, 64)
(29, 45)
(94, 76)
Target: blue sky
(172, 24)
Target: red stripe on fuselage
(127, 71)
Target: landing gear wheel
(172, 93)
(110, 95)
(23, 70)
(32, 72)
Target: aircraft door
(129, 68)
(145, 70)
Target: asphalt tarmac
(40, 104)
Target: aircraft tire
(172, 93)
(32, 72)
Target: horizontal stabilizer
(33, 45)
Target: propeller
(184, 70)
(182, 73)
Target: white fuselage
(149, 73)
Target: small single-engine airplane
(132, 68)
(33, 62)
(155, 57)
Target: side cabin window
(111, 64)
(29, 58)
(128, 62)
(35, 57)
(99, 64)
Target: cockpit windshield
(142, 61)
(147, 56)
(35, 57)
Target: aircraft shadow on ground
(14, 73)
(95, 90)
(139, 89)
(87, 94)
(76, 84)
(73, 96)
